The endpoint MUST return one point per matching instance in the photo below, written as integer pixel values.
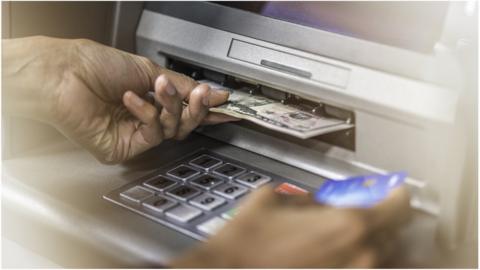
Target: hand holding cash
(274, 115)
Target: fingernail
(206, 98)
(137, 101)
(161, 82)
(223, 92)
(171, 90)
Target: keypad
(183, 172)
(230, 214)
(199, 193)
(159, 203)
(229, 170)
(183, 213)
(137, 194)
(205, 162)
(160, 183)
(183, 192)
(211, 226)
(253, 179)
(206, 181)
(207, 201)
(231, 191)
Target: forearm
(32, 71)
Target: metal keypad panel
(197, 194)
(159, 203)
(231, 191)
(183, 172)
(206, 181)
(205, 162)
(207, 201)
(253, 179)
(183, 192)
(229, 170)
(160, 183)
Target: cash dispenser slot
(343, 138)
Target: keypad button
(229, 170)
(183, 192)
(137, 194)
(206, 181)
(212, 226)
(159, 203)
(231, 191)
(183, 213)
(253, 179)
(230, 214)
(205, 162)
(290, 189)
(183, 172)
(160, 183)
(207, 201)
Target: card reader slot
(287, 62)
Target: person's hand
(281, 231)
(97, 95)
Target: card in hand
(359, 191)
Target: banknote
(274, 115)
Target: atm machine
(402, 74)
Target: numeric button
(206, 181)
(136, 194)
(159, 183)
(231, 191)
(183, 213)
(253, 179)
(211, 226)
(183, 172)
(229, 170)
(205, 162)
(159, 203)
(183, 193)
(208, 201)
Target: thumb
(217, 97)
(185, 85)
(182, 83)
(263, 197)
(391, 213)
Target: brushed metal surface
(52, 200)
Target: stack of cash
(274, 115)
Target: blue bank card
(359, 191)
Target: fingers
(181, 82)
(170, 100)
(171, 89)
(149, 132)
(376, 252)
(263, 197)
(185, 86)
(386, 244)
(391, 213)
(218, 97)
(141, 109)
(373, 230)
(195, 112)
